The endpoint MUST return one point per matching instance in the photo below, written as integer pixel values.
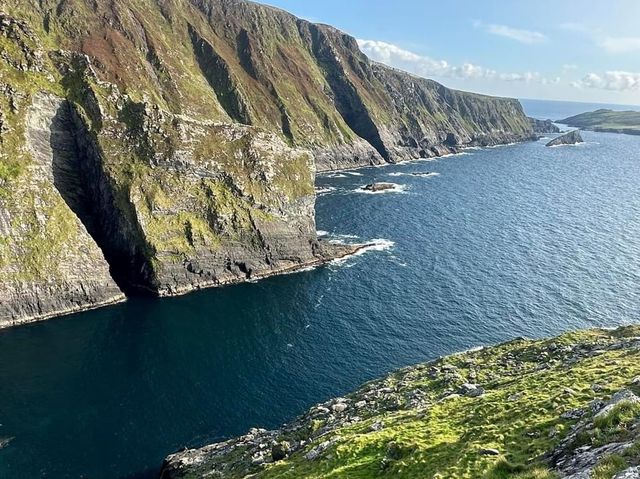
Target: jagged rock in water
(379, 186)
(186, 140)
(571, 138)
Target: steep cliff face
(160, 146)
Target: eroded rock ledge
(561, 407)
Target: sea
(474, 249)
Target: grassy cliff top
(605, 119)
(524, 409)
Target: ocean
(518, 240)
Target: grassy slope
(443, 438)
(605, 119)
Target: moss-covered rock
(546, 409)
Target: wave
(353, 173)
(583, 144)
(335, 175)
(460, 153)
(425, 174)
(324, 190)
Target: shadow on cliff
(80, 179)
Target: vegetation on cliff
(607, 121)
(523, 409)
(181, 138)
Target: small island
(570, 138)
(375, 187)
(608, 121)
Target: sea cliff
(156, 147)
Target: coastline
(337, 252)
(547, 385)
(342, 251)
(439, 153)
(121, 298)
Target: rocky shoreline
(548, 408)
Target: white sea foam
(325, 190)
(322, 233)
(378, 244)
(581, 145)
(395, 189)
(353, 173)
(417, 174)
(461, 153)
(335, 175)
(502, 145)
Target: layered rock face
(161, 146)
(49, 264)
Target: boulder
(471, 390)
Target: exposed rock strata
(190, 132)
(544, 126)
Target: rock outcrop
(562, 407)
(571, 138)
(379, 186)
(183, 138)
(543, 126)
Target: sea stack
(570, 138)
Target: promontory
(154, 147)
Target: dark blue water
(516, 240)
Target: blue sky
(585, 50)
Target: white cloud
(528, 37)
(620, 44)
(575, 27)
(609, 43)
(395, 56)
(611, 80)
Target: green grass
(444, 438)
(605, 119)
(609, 467)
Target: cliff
(565, 407)
(154, 147)
(544, 126)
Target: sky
(586, 50)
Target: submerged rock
(5, 441)
(570, 138)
